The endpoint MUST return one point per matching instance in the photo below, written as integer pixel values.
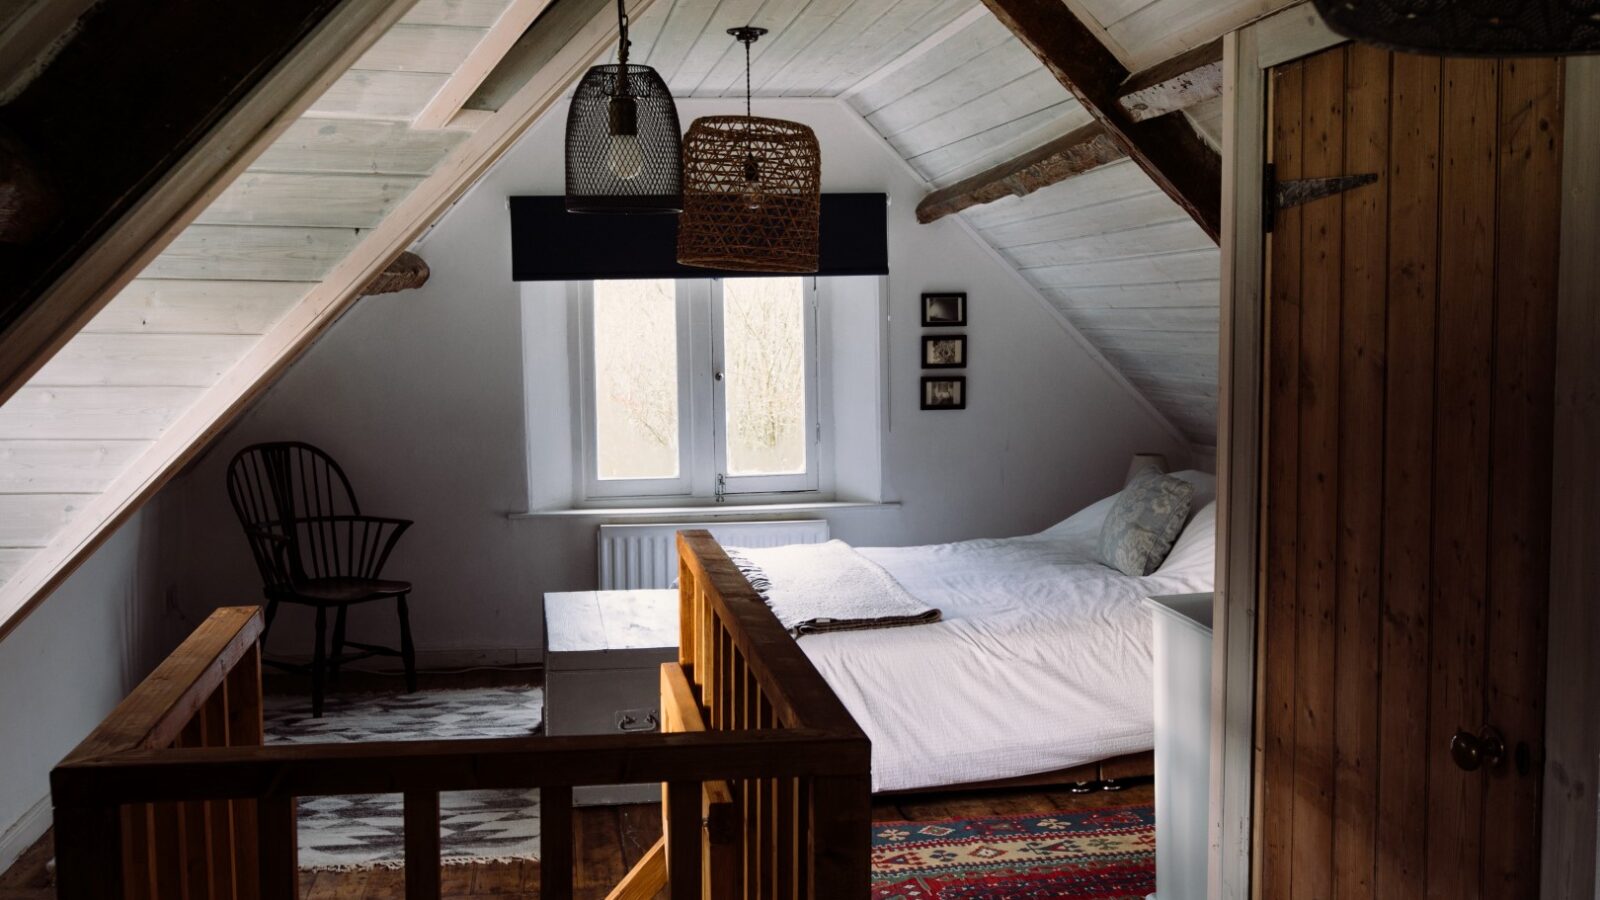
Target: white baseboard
(24, 833)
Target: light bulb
(752, 193)
(625, 156)
(624, 152)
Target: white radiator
(639, 557)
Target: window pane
(636, 379)
(764, 347)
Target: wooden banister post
(555, 843)
(841, 835)
(278, 853)
(684, 838)
(88, 852)
(422, 845)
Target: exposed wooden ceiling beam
(1168, 148)
(1071, 154)
(265, 61)
(479, 63)
(1177, 84)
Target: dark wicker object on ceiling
(731, 220)
(1470, 27)
(406, 272)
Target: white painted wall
(419, 396)
(69, 663)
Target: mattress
(1043, 659)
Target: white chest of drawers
(603, 656)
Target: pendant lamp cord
(747, 44)
(622, 26)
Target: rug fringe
(401, 864)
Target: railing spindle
(219, 813)
(555, 843)
(136, 851)
(422, 845)
(166, 835)
(684, 839)
(277, 853)
(245, 729)
(194, 825)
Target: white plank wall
(1134, 273)
(1111, 252)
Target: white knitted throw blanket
(816, 588)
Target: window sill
(703, 511)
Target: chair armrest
(349, 546)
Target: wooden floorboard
(609, 841)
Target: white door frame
(1247, 55)
(1573, 690)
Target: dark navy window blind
(550, 244)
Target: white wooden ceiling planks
(260, 247)
(946, 85)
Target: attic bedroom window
(699, 388)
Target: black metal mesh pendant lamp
(1470, 27)
(623, 151)
(752, 190)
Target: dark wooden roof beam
(1072, 154)
(1179, 83)
(1168, 148)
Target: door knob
(1471, 752)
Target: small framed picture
(944, 310)
(944, 351)
(944, 392)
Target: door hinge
(1277, 196)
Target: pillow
(1195, 550)
(1143, 523)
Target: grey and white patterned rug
(360, 831)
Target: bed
(1041, 662)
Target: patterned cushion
(1144, 522)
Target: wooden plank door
(1407, 442)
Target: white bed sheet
(1043, 659)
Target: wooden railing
(765, 778)
(739, 672)
(206, 694)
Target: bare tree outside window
(764, 345)
(636, 378)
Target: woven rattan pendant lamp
(752, 189)
(623, 152)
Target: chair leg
(319, 662)
(338, 646)
(408, 653)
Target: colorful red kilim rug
(1096, 854)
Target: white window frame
(701, 420)
(806, 481)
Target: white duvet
(1042, 661)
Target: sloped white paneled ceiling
(955, 93)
